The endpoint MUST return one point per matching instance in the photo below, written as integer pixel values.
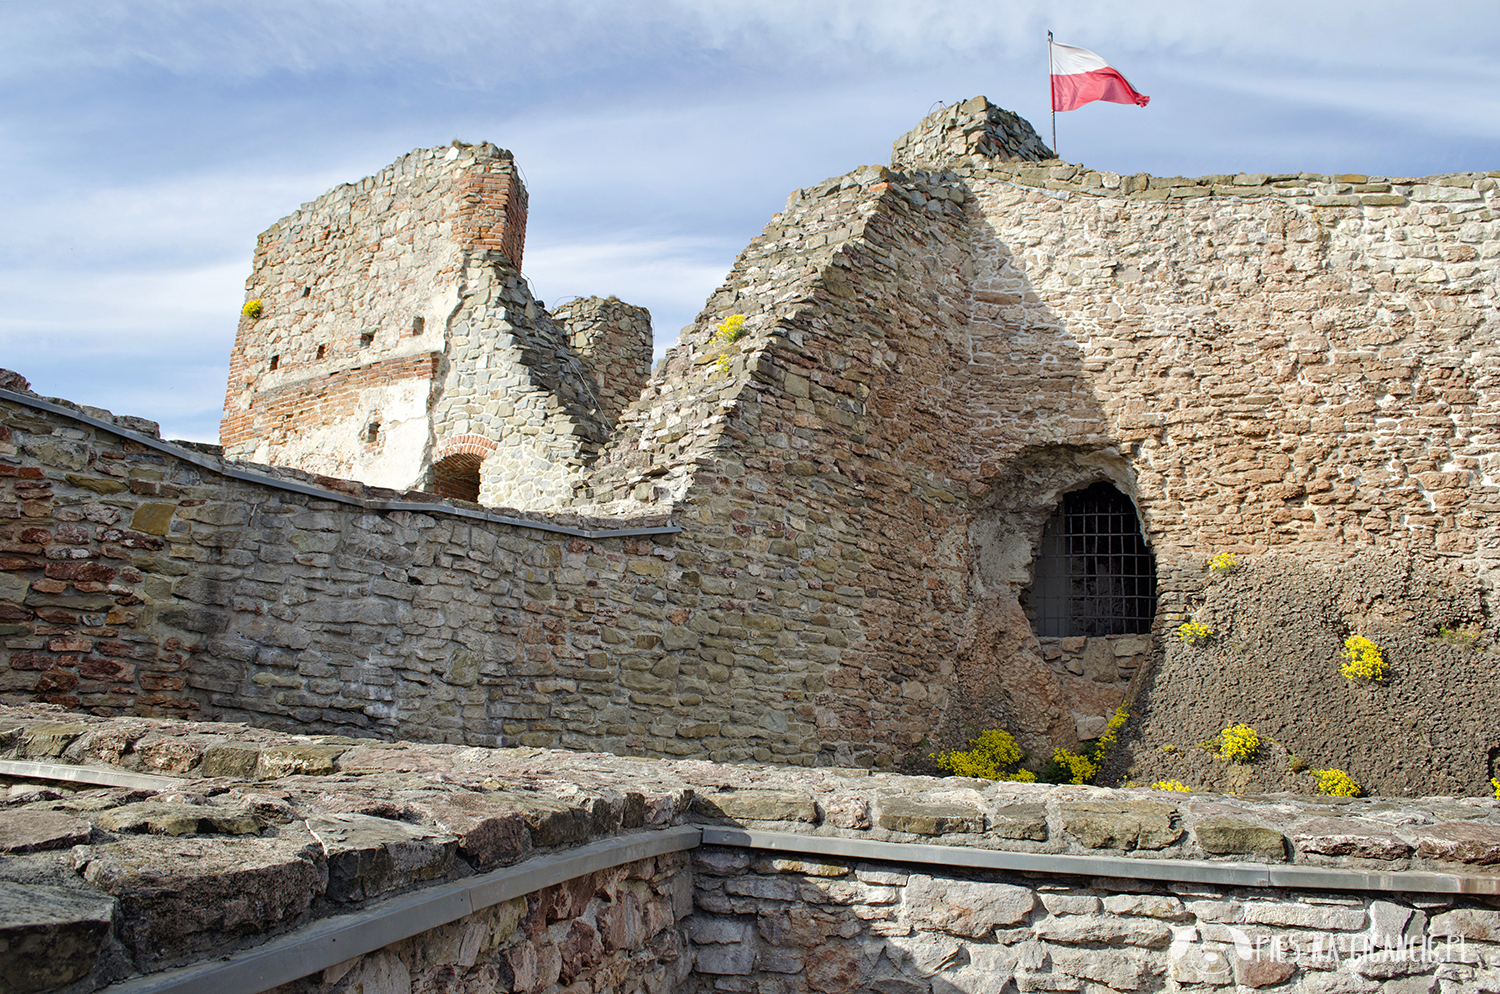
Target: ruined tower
(397, 343)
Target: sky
(144, 145)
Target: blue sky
(146, 144)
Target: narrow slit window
(306, 290)
(367, 339)
(418, 325)
(322, 351)
(275, 361)
(372, 432)
(1095, 575)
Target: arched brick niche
(455, 474)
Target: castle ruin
(990, 416)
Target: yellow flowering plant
(1176, 785)
(252, 309)
(732, 329)
(1195, 633)
(1239, 743)
(1336, 783)
(1363, 659)
(991, 756)
(1224, 562)
(1082, 768)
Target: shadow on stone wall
(1038, 432)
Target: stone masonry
(1293, 368)
(396, 332)
(246, 835)
(613, 340)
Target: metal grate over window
(1095, 574)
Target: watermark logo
(1210, 959)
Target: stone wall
(788, 923)
(932, 359)
(613, 341)
(217, 844)
(395, 318)
(614, 930)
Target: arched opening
(457, 477)
(1094, 573)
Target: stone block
(1122, 824)
(725, 960)
(48, 739)
(1147, 905)
(231, 760)
(1107, 929)
(901, 814)
(307, 760)
(757, 805)
(489, 834)
(1020, 821)
(1224, 836)
(166, 818)
(24, 831)
(1460, 841)
(1479, 924)
(1297, 915)
(969, 908)
(1348, 837)
(369, 856)
(180, 898)
(50, 937)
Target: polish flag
(1079, 76)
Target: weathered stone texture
(787, 930)
(397, 332)
(613, 341)
(262, 857)
(932, 359)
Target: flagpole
(1050, 100)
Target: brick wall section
(492, 211)
(613, 340)
(416, 264)
(278, 414)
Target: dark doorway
(1094, 575)
(457, 477)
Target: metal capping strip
(85, 774)
(1178, 870)
(331, 941)
(225, 469)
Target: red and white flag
(1079, 76)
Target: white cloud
(670, 277)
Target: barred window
(1095, 575)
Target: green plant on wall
(1336, 783)
(994, 755)
(1363, 659)
(252, 309)
(1083, 767)
(1195, 633)
(1239, 744)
